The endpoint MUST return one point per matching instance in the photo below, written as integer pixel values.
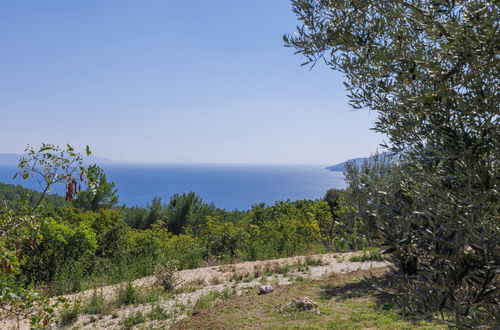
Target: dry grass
(345, 301)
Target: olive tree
(431, 71)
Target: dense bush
(15, 197)
(20, 228)
(182, 211)
(102, 194)
(223, 238)
(284, 229)
(79, 248)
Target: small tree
(187, 210)
(166, 275)
(49, 165)
(102, 195)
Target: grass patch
(97, 304)
(157, 313)
(127, 295)
(345, 301)
(299, 279)
(69, 315)
(368, 255)
(215, 280)
(134, 319)
(207, 300)
(310, 261)
(285, 269)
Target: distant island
(340, 167)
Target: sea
(227, 186)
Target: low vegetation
(368, 255)
(344, 301)
(133, 319)
(166, 275)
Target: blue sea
(228, 186)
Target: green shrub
(368, 255)
(284, 229)
(310, 261)
(97, 304)
(134, 319)
(157, 313)
(222, 238)
(206, 300)
(166, 275)
(127, 295)
(69, 314)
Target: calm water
(228, 186)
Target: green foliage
(187, 210)
(102, 194)
(69, 314)
(380, 170)
(157, 313)
(430, 70)
(368, 255)
(127, 295)
(187, 249)
(338, 231)
(166, 275)
(19, 229)
(111, 233)
(182, 211)
(136, 216)
(284, 229)
(16, 197)
(206, 300)
(222, 238)
(155, 213)
(73, 244)
(97, 304)
(134, 319)
(313, 261)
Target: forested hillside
(15, 196)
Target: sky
(171, 81)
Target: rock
(304, 303)
(265, 289)
(300, 304)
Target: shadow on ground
(370, 286)
(366, 287)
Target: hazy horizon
(105, 160)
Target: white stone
(265, 289)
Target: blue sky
(161, 81)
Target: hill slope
(340, 167)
